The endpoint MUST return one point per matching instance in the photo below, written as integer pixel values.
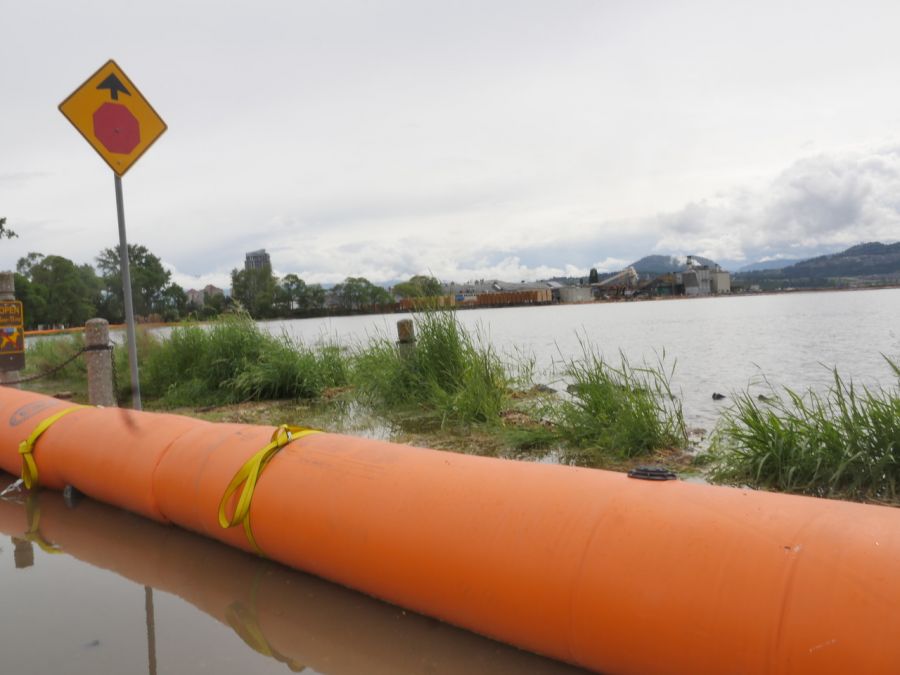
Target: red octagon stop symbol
(117, 128)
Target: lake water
(717, 344)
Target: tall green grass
(44, 354)
(843, 443)
(619, 409)
(448, 374)
(232, 361)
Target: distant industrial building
(720, 281)
(703, 280)
(257, 260)
(573, 294)
(496, 293)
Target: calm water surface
(93, 589)
(720, 344)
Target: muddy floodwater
(716, 344)
(89, 590)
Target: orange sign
(12, 335)
(113, 116)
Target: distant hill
(872, 258)
(770, 264)
(665, 264)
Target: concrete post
(8, 292)
(101, 388)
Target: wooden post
(406, 336)
(101, 388)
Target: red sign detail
(117, 128)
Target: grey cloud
(820, 202)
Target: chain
(60, 366)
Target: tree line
(58, 292)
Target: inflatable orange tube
(290, 617)
(590, 567)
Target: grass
(232, 361)
(843, 443)
(618, 411)
(452, 390)
(449, 375)
(45, 354)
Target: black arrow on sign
(114, 85)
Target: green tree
(419, 286)
(295, 287)
(34, 301)
(215, 304)
(255, 290)
(149, 281)
(303, 297)
(5, 232)
(358, 293)
(175, 303)
(313, 299)
(593, 277)
(56, 291)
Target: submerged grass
(449, 375)
(844, 443)
(622, 410)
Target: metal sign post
(120, 124)
(129, 304)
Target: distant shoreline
(749, 294)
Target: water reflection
(300, 623)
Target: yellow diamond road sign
(113, 117)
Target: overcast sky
(467, 139)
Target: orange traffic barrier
(590, 567)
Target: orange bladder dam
(591, 567)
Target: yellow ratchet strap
(33, 513)
(244, 481)
(26, 447)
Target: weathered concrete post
(101, 389)
(406, 336)
(8, 292)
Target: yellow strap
(33, 513)
(26, 447)
(245, 622)
(244, 481)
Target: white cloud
(819, 203)
(611, 264)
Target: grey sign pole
(129, 306)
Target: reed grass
(843, 443)
(449, 373)
(232, 360)
(620, 410)
(44, 354)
